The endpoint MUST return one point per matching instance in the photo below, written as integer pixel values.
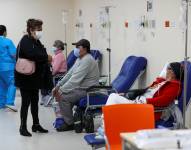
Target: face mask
(38, 34)
(54, 49)
(77, 52)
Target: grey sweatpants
(67, 103)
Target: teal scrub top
(7, 54)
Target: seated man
(72, 87)
(161, 93)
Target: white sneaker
(100, 131)
(12, 108)
(99, 137)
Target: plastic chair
(97, 96)
(126, 118)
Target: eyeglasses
(169, 68)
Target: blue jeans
(7, 88)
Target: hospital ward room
(95, 74)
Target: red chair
(126, 118)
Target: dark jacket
(33, 50)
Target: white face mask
(77, 52)
(54, 49)
(38, 34)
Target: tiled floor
(11, 140)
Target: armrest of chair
(97, 88)
(161, 109)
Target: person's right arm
(62, 82)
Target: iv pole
(65, 42)
(185, 66)
(64, 21)
(107, 9)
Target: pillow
(163, 72)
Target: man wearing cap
(72, 87)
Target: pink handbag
(25, 66)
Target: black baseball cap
(84, 43)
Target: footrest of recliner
(95, 143)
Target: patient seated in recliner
(161, 93)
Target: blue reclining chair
(97, 96)
(175, 120)
(72, 58)
(188, 96)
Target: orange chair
(126, 118)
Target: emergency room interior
(133, 42)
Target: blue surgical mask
(54, 49)
(77, 52)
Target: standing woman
(31, 48)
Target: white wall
(14, 13)
(166, 45)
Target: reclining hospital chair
(173, 115)
(88, 107)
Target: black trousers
(30, 97)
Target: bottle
(56, 108)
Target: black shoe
(38, 128)
(65, 127)
(24, 132)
